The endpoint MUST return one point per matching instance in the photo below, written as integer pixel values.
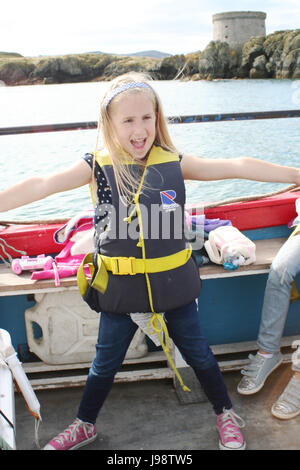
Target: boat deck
(148, 416)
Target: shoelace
(72, 430)
(229, 421)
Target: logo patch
(168, 200)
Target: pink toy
(31, 264)
(66, 263)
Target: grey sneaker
(288, 404)
(256, 372)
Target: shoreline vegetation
(276, 55)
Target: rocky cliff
(274, 56)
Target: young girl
(137, 171)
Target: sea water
(24, 155)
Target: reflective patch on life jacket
(168, 200)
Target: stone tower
(237, 27)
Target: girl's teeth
(138, 143)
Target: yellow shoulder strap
(158, 155)
(294, 293)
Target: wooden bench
(12, 284)
(154, 365)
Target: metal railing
(198, 118)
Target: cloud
(32, 27)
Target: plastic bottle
(233, 260)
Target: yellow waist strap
(125, 266)
(99, 281)
(122, 266)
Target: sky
(57, 27)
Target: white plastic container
(69, 330)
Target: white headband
(124, 87)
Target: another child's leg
(276, 303)
(283, 271)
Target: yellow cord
(128, 219)
(158, 325)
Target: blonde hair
(127, 183)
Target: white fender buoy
(9, 356)
(7, 407)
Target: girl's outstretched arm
(206, 169)
(39, 187)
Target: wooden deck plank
(12, 283)
(39, 366)
(121, 377)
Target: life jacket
(143, 263)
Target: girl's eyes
(129, 120)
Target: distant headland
(276, 55)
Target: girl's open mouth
(138, 144)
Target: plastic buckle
(125, 266)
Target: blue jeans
(115, 334)
(285, 267)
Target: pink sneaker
(231, 437)
(78, 434)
